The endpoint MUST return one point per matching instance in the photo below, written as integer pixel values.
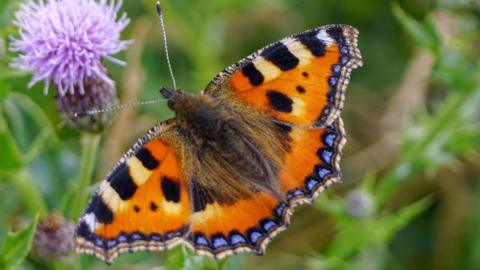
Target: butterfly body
(228, 148)
(224, 175)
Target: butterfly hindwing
(143, 204)
(310, 165)
(248, 224)
(300, 79)
(313, 161)
(146, 204)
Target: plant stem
(90, 143)
(445, 117)
(29, 192)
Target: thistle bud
(97, 95)
(54, 237)
(359, 203)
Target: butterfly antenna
(164, 36)
(118, 107)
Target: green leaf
(357, 234)
(6, 10)
(392, 223)
(424, 34)
(175, 259)
(32, 109)
(67, 200)
(11, 74)
(181, 258)
(11, 157)
(17, 246)
(20, 110)
(5, 89)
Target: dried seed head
(54, 237)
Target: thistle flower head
(65, 41)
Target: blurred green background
(411, 167)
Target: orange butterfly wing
(313, 162)
(300, 79)
(223, 229)
(311, 165)
(146, 203)
(143, 204)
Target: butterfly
(225, 174)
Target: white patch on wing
(269, 70)
(90, 220)
(210, 212)
(298, 107)
(137, 171)
(170, 208)
(325, 37)
(301, 52)
(111, 198)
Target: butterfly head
(171, 96)
(196, 112)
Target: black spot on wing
(101, 211)
(153, 206)
(279, 101)
(170, 189)
(314, 45)
(281, 56)
(136, 208)
(122, 182)
(300, 89)
(200, 197)
(148, 161)
(253, 74)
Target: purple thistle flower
(65, 41)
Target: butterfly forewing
(144, 203)
(300, 79)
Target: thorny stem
(90, 143)
(446, 117)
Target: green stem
(29, 192)
(445, 117)
(90, 143)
